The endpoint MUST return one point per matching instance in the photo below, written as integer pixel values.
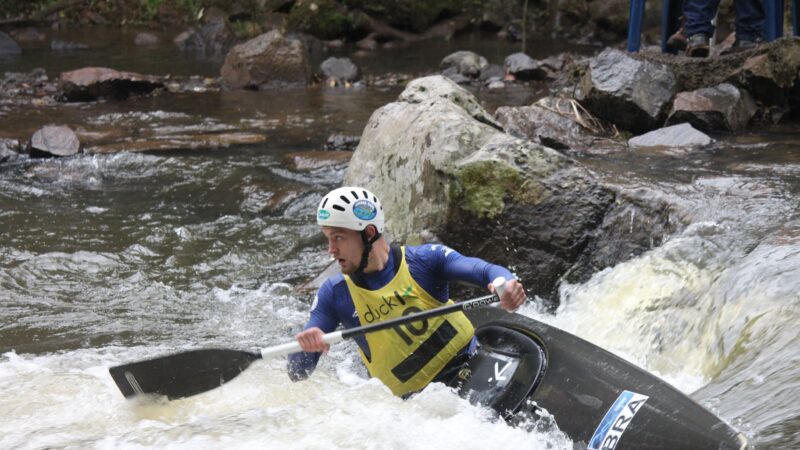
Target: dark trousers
(749, 18)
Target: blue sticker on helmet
(323, 214)
(365, 210)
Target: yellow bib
(408, 357)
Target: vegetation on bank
(326, 19)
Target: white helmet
(350, 207)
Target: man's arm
(455, 266)
(323, 320)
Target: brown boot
(697, 46)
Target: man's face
(346, 246)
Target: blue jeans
(749, 18)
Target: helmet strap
(367, 248)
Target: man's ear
(370, 231)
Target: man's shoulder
(332, 283)
(428, 250)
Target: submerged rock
(308, 161)
(62, 46)
(204, 141)
(146, 39)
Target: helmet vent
(324, 202)
(345, 199)
(355, 196)
(339, 207)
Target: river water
(108, 259)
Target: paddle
(192, 372)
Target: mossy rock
(483, 186)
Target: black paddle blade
(182, 374)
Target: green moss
(484, 185)
(246, 30)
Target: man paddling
(380, 282)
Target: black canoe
(597, 399)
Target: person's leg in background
(749, 23)
(699, 14)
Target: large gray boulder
(445, 171)
(267, 60)
(631, 93)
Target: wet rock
(29, 35)
(8, 46)
(719, 108)
(339, 71)
(523, 67)
(206, 141)
(770, 77)
(553, 66)
(212, 39)
(368, 43)
(54, 140)
(466, 63)
(682, 135)
(268, 60)
(549, 122)
(769, 73)
(146, 39)
(631, 93)
(340, 142)
(9, 150)
(452, 74)
(62, 46)
(496, 84)
(309, 161)
(492, 72)
(92, 83)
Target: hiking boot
(677, 42)
(697, 46)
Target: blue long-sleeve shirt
(432, 266)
